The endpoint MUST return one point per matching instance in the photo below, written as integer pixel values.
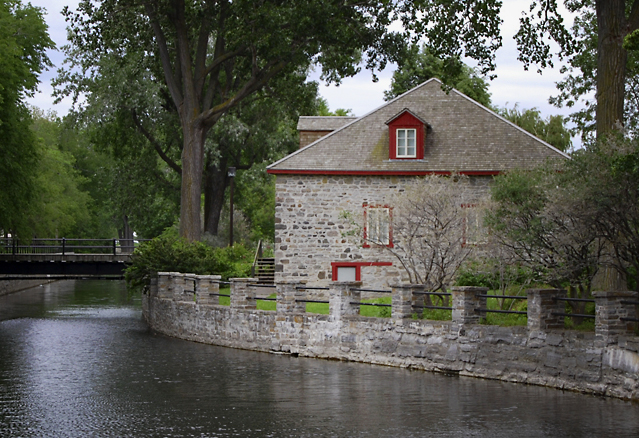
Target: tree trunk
(192, 168)
(215, 182)
(126, 236)
(611, 64)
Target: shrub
(171, 253)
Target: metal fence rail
(379, 291)
(370, 304)
(443, 294)
(9, 245)
(505, 297)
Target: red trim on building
(406, 121)
(381, 172)
(356, 265)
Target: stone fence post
(153, 287)
(242, 295)
(205, 286)
(287, 292)
(166, 284)
(190, 288)
(404, 300)
(177, 285)
(341, 294)
(465, 301)
(542, 305)
(609, 311)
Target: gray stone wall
(11, 286)
(550, 357)
(310, 234)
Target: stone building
(361, 165)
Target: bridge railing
(9, 245)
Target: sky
(513, 84)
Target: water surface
(78, 361)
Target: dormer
(406, 134)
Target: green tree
(419, 65)
(594, 47)
(206, 57)
(608, 174)
(324, 110)
(539, 220)
(552, 129)
(59, 207)
(23, 43)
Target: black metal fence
(64, 246)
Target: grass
(586, 324)
(501, 319)
(505, 319)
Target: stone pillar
(465, 301)
(341, 294)
(207, 285)
(242, 295)
(609, 311)
(165, 285)
(153, 287)
(542, 305)
(403, 300)
(177, 281)
(287, 293)
(190, 288)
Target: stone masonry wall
(309, 232)
(536, 354)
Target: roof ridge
(349, 124)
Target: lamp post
(232, 176)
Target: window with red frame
(474, 231)
(406, 134)
(378, 225)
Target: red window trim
(356, 265)
(390, 223)
(465, 237)
(406, 121)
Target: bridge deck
(63, 265)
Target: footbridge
(65, 258)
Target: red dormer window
(406, 134)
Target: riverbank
(602, 363)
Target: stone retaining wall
(11, 286)
(605, 362)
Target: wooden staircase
(265, 270)
(263, 267)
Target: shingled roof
(323, 123)
(462, 136)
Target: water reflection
(78, 361)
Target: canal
(77, 360)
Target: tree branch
(171, 82)
(156, 145)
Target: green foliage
(493, 273)
(539, 221)
(170, 253)
(552, 130)
(133, 57)
(323, 109)
(23, 44)
(419, 65)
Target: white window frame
(474, 231)
(405, 138)
(378, 225)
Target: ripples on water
(77, 361)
